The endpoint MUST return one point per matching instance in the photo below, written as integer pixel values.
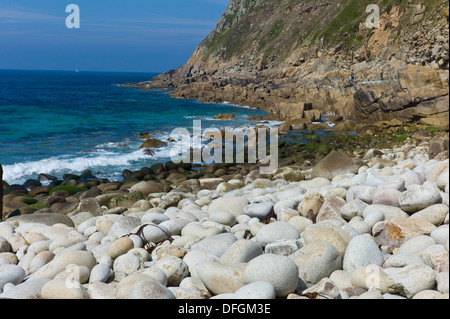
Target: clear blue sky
(115, 35)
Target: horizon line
(84, 71)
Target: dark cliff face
(266, 52)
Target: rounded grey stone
(280, 271)
(256, 290)
(362, 251)
(11, 274)
(150, 289)
(276, 231)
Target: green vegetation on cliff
(270, 30)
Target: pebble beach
(372, 226)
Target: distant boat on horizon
(76, 70)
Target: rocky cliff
(294, 59)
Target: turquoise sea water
(59, 122)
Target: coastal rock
(126, 200)
(342, 279)
(352, 209)
(127, 264)
(373, 218)
(41, 218)
(389, 212)
(283, 247)
(100, 290)
(435, 256)
(63, 260)
(334, 164)
(90, 205)
(30, 289)
(155, 233)
(369, 277)
(123, 226)
(441, 235)
(174, 226)
(276, 231)
(362, 192)
(5, 246)
(100, 273)
(256, 290)
(58, 289)
(124, 286)
(41, 259)
(416, 245)
(11, 274)
(419, 197)
(216, 245)
(150, 289)
(288, 174)
(120, 246)
(438, 145)
(399, 230)
(361, 251)
(410, 280)
(316, 261)
(442, 280)
(336, 237)
(225, 117)
(331, 209)
(389, 197)
(194, 283)
(152, 143)
(174, 268)
(235, 205)
(300, 223)
(241, 251)
(326, 289)
(280, 271)
(428, 294)
(311, 204)
(220, 278)
(6, 229)
(434, 214)
(258, 210)
(223, 217)
(146, 188)
(403, 259)
(154, 217)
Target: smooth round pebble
(59, 289)
(11, 274)
(280, 271)
(150, 289)
(256, 290)
(361, 251)
(276, 231)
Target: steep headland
(288, 57)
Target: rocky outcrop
(287, 55)
(225, 117)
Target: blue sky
(115, 35)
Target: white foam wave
(241, 106)
(19, 172)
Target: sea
(66, 122)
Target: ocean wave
(19, 172)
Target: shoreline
(228, 221)
(129, 154)
(318, 139)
